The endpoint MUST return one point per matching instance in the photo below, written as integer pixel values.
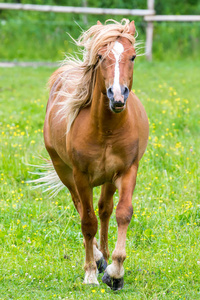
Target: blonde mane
(78, 76)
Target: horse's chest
(107, 162)
(103, 162)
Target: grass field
(41, 251)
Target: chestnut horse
(96, 131)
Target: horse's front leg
(88, 225)
(105, 210)
(114, 273)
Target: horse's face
(116, 73)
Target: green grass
(41, 247)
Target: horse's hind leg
(114, 273)
(105, 210)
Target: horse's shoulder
(137, 105)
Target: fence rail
(173, 18)
(149, 15)
(78, 10)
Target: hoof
(101, 265)
(115, 284)
(91, 278)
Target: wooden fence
(149, 15)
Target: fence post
(149, 33)
(85, 19)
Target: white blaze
(117, 50)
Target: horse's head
(116, 70)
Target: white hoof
(90, 278)
(115, 271)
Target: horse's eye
(100, 57)
(133, 57)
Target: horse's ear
(132, 28)
(99, 23)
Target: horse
(96, 131)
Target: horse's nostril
(110, 92)
(125, 92)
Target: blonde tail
(48, 179)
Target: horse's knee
(124, 214)
(105, 210)
(104, 214)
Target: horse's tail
(48, 178)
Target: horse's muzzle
(118, 99)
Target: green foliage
(32, 36)
(176, 40)
(42, 255)
(170, 7)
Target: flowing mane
(77, 76)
